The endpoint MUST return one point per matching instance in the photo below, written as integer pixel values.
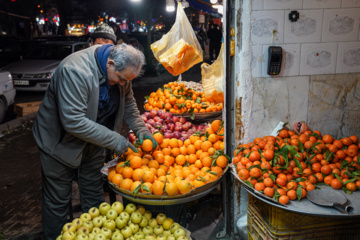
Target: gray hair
(126, 56)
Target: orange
(135, 162)
(192, 158)
(126, 184)
(158, 137)
(269, 191)
(206, 162)
(111, 175)
(158, 188)
(190, 149)
(147, 145)
(134, 185)
(117, 179)
(284, 199)
(171, 189)
(175, 151)
(149, 188)
(165, 143)
(291, 194)
(184, 186)
(215, 125)
(221, 161)
(127, 172)
(174, 143)
(159, 157)
(180, 159)
(197, 144)
(205, 146)
(198, 183)
(148, 176)
(166, 151)
(137, 173)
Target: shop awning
(204, 6)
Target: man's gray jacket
(66, 120)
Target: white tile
(321, 4)
(282, 4)
(306, 29)
(350, 3)
(290, 65)
(257, 4)
(257, 60)
(340, 25)
(264, 23)
(348, 57)
(318, 58)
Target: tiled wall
(324, 40)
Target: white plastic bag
(179, 49)
(213, 79)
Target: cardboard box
(23, 109)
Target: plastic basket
(265, 221)
(282, 221)
(258, 230)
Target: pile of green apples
(117, 222)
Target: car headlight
(43, 75)
(10, 77)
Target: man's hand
(147, 135)
(123, 146)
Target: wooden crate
(23, 109)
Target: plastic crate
(282, 221)
(259, 228)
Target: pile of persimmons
(176, 98)
(174, 167)
(289, 165)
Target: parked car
(34, 71)
(7, 93)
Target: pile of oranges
(174, 167)
(176, 98)
(286, 167)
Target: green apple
(117, 236)
(120, 222)
(153, 223)
(96, 230)
(150, 236)
(158, 230)
(182, 238)
(179, 232)
(94, 212)
(100, 236)
(166, 233)
(104, 218)
(144, 222)
(160, 218)
(98, 222)
(91, 236)
(130, 208)
(148, 214)
(171, 237)
(126, 232)
(147, 230)
(68, 235)
(141, 209)
(85, 217)
(175, 226)
(77, 222)
(134, 227)
(116, 230)
(139, 236)
(69, 227)
(104, 207)
(89, 225)
(161, 237)
(136, 217)
(106, 231)
(59, 237)
(167, 223)
(118, 207)
(82, 230)
(125, 215)
(111, 214)
(110, 224)
(82, 237)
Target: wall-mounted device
(274, 60)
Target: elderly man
(80, 116)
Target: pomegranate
(300, 127)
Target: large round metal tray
(149, 199)
(305, 206)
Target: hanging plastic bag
(179, 49)
(213, 79)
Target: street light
(213, 1)
(135, 0)
(170, 5)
